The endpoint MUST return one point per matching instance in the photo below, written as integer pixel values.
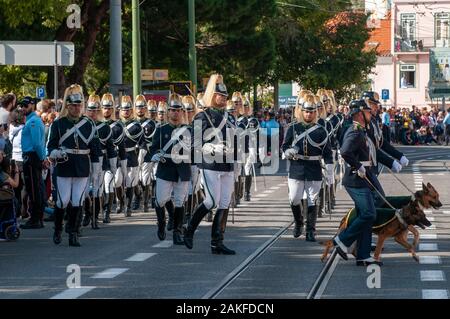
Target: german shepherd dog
(410, 215)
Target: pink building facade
(418, 29)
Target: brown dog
(410, 215)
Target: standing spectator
(33, 150)
(446, 123)
(269, 124)
(15, 137)
(386, 121)
(7, 104)
(439, 129)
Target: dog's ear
(429, 186)
(425, 188)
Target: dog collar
(400, 218)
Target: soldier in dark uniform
(108, 160)
(152, 109)
(217, 164)
(232, 107)
(72, 144)
(190, 110)
(359, 153)
(134, 141)
(113, 176)
(305, 145)
(145, 163)
(171, 149)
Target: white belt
(308, 158)
(130, 149)
(77, 151)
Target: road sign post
(40, 92)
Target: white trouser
(237, 171)
(195, 180)
(145, 173)
(218, 187)
(297, 189)
(132, 178)
(250, 161)
(97, 182)
(164, 192)
(71, 189)
(109, 182)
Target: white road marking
(428, 246)
(140, 257)
(432, 275)
(446, 212)
(432, 227)
(73, 293)
(428, 236)
(431, 219)
(434, 294)
(110, 273)
(430, 260)
(430, 158)
(164, 244)
(428, 211)
(275, 187)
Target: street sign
(161, 75)
(40, 92)
(147, 75)
(36, 53)
(287, 101)
(385, 94)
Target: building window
(407, 76)
(408, 26)
(442, 34)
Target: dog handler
(359, 153)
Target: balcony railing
(419, 44)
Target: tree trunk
(95, 16)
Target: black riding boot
(298, 219)
(59, 216)
(332, 196)
(96, 213)
(188, 209)
(137, 197)
(109, 201)
(177, 225)
(321, 202)
(197, 217)
(236, 200)
(146, 194)
(153, 200)
(75, 223)
(170, 211)
(217, 246)
(129, 201)
(161, 217)
(248, 186)
(311, 223)
(240, 188)
(120, 200)
(223, 224)
(87, 211)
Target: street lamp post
(192, 51)
(136, 43)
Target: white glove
(219, 149)
(362, 172)
(96, 168)
(329, 173)
(156, 158)
(396, 167)
(208, 149)
(404, 161)
(141, 156)
(57, 154)
(113, 165)
(290, 153)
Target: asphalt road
(125, 259)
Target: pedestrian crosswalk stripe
(164, 244)
(428, 236)
(109, 273)
(434, 294)
(428, 247)
(140, 256)
(432, 275)
(429, 260)
(73, 293)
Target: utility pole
(192, 51)
(136, 43)
(115, 45)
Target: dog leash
(398, 179)
(379, 193)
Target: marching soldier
(72, 144)
(113, 175)
(217, 171)
(305, 145)
(161, 114)
(145, 163)
(190, 111)
(108, 159)
(173, 173)
(152, 109)
(233, 108)
(134, 141)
